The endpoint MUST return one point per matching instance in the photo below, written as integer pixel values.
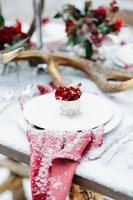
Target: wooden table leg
(14, 183)
(19, 171)
(18, 192)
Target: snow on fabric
(54, 159)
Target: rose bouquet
(89, 27)
(10, 35)
(11, 38)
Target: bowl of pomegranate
(69, 100)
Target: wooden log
(79, 193)
(127, 15)
(11, 183)
(19, 169)
(18, 193)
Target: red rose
(69, 26)
(117, 25)
(19, 29)
(8, 34)
(101, 11)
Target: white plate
(111, 125)
(123, 56)
(114, 122)
(44, 112)
(121, 64)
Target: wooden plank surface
(96, 187)
(83, 182)
(127, 16)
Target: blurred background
(24, 9)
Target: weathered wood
(22, 171)
(19, 169)
(83, 182)
(102, 189)
(79, 193)
(14, 154)
(127, 15)
(18, 192)
(12, 183)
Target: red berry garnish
(67, 93)
(44, 89)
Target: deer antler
(96, 72)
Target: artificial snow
(114, 169)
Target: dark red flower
(44, 89)
(117, 25)
(101, 11)
(6, 36)
(18, 26)
(96, 40)
(9, 34)
(96, 37)
(45, 20)
(67, 93)
(69, 26)
(114, 6)
(52, 85)
(123, 42)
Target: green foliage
(106, 29)
(103, 29)
(58, 15)
(16, 39)
(111, 26)
(73, 29)
(87, 27)
(75, 39)
(2, 21)
(71, 40)
(88, 50)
